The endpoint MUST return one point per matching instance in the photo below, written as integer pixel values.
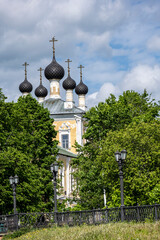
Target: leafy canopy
(115, 114)
(27, 149)
(129, 122)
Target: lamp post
(54, 170)
(14, 181)
(120, 157)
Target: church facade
(68, 118)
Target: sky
(117, 41)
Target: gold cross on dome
(68, 61)
(81, 71)
(25, 64)
(53, 40)
(40, 69)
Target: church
(68, 118)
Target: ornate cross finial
(81, 72)
(68, 61)
(53, 40)
(40, 69)
(25, 64)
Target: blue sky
(118, 42)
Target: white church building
(68, 118)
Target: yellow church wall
(72, 125)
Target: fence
(96, 216)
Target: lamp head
(123, 154)
(52, 168)
(55, 166)
(11, 180)
(117, 156)
(16, 179)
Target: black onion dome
(25, 86)
(69, 83)
(81, 88)
(54, 71)
(41, 91)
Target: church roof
(65, 152)
(56, 106)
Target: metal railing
(96, 216)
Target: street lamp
(54, 170)
(120, 157)
(14, 181)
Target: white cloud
(139, 78)
(102, 94)
(109, 37)
(142, 77)
(154, 43)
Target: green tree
(27, 149)
(109, 128)
(141, 168)
(115, 114)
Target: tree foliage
(130, 123)
(26, 149)
(115, 114)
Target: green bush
(18, 233)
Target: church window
(65, 141)
(64, 136)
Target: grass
(113, 231)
